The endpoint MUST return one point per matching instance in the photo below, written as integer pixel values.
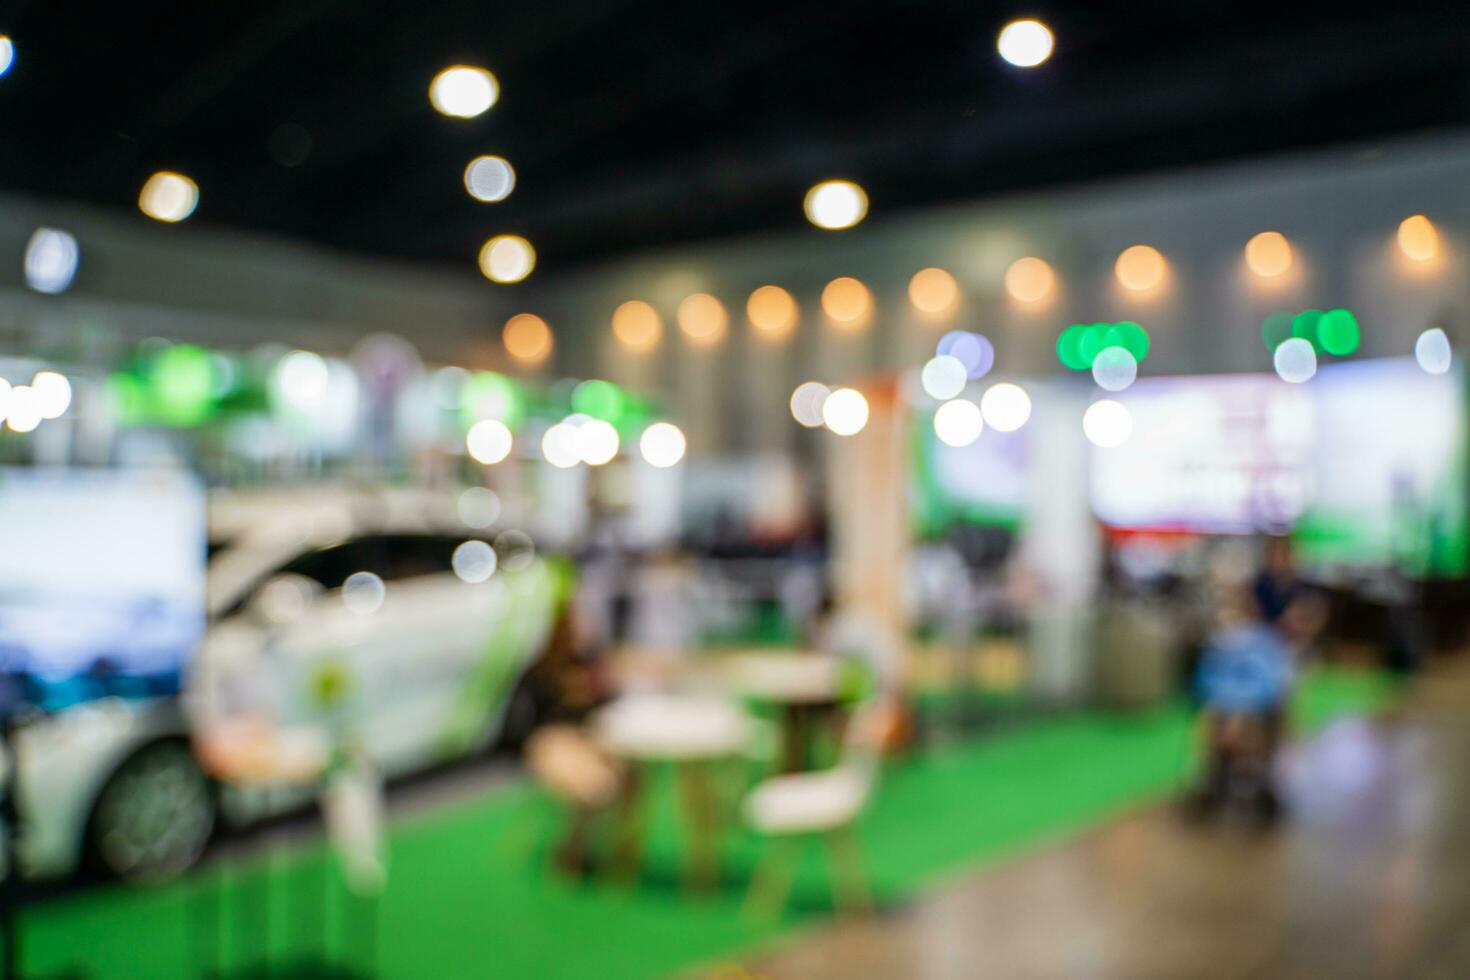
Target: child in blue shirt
(1243, 681)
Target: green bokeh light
(1079, 344)
(488, 395)
(600, 399)
(1275, 329)
(1337, 332)
(1131, 337)
(1091, 343)
(1304, 325)
(1067, 347)
(181, 383)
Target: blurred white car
(377, 621)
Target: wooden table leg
(627, 852)
(795, 736)
(702, 817)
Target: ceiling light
(836, 204)
(489, 179)
(1025, 43)
(169, 197)
(507, 258)
(463, 91)
(51, 260)
(527, 338)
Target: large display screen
(1215, 454)
(101, 583)
(1389, 469)
(1365, 462)
(982, 483)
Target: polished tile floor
(1368, 876)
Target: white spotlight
(1432, 351)
(473, 561)
(489, 441)
(944, 377)
(51, 260)
(806, 403)
(836, 204)
(52, 393)
(24, 414)
(560, 446)
(845, 411)
(301, 379)
(662, 444)
(1006, 407)
(597, 442)
(168, 197)
(1025, 43)
(958, 423)
(489, 179)
(463, 92)
(1295, 360)
(1114, 369)
(1107, 423)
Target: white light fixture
(560, 446)
(7, 53)
(473, 561)
(1025, 43)
(51, 260)
(806, 403)
(52, 393)
(662, 445)
(1432, 351)
(836, 204)
(463, 91)
(597, 442)
(489, 179)
(958, 423)
(944, 377)
(1114, 369)
(1006, 406)
(1295, 360)
(301, 379)
(489, 441)
(507, 258)
(1107, 423)
(23, 414)
(363, 593)
(168, 197)
(845, 412)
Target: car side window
(411, 555)
(328, 567)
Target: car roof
(261, 529)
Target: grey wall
(1339, 209)
(138, 278)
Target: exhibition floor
(1366, 879)
(470, 894)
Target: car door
(403, 656)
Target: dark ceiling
(643, 124)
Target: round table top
(673, 727)
(782, 677)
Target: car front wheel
(155, 814)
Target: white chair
(793, 808)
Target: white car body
(423, 678)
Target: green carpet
(469, 895)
